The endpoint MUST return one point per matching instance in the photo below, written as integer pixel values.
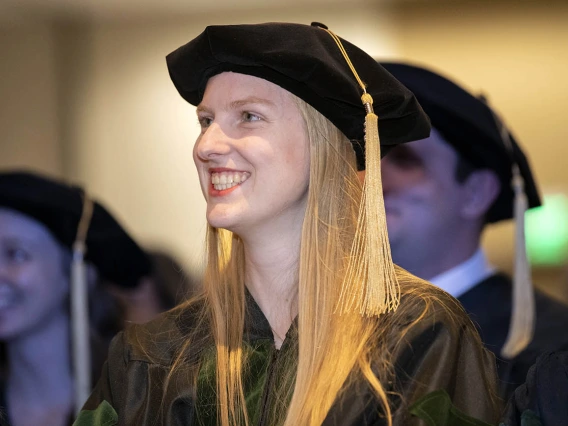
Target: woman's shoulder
(159, 340)
(430, 322)
(424, 304)
(435, 347)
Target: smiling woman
(303, 318)
(252, 128)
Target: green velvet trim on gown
(436, 409)
(103, 415)
(266, 393)
(255, 380)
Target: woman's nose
(212, 143)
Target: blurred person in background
(167, 285)
(39, 222)
(441, 192)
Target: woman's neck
(271, 273)
(39, 370)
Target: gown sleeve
(442, 375)
(101, 406)
(443, 353)
(135, 381)
(129, 386)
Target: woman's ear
(482, 189)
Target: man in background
(441, 192)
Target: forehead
(231, 86)
(14, 224)
(434, 149)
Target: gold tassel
(521, 328)
(370, 285)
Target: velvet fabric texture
(543, 399)
(440, 352)
(489, 307)
(436, 409)
(306, 61)
(103, 415)
(58, 207)
(467, 123)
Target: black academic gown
(489, 306)
(440, 352)
(543, 399)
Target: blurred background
(85, 95)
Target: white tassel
(80, 336)
(521, 328)
(80, 327)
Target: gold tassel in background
(521, 328)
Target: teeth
(226, 180)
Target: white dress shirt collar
(466, 275)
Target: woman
(39, 219)
(303, 319)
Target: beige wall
(28, 99)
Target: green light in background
(546, 230)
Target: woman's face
(252, 155)
(33, 284)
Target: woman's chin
(221, 221)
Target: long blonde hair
(332, 349)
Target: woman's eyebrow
(239, 103)
(202, 108)
(251, 100)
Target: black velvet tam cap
(468, 124)
(59, 207)
(306, 61)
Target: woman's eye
(249, 117)
(17, 255)
(204, 122)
